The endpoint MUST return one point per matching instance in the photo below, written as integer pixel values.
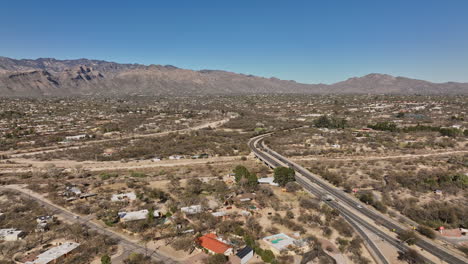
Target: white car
(359, 206)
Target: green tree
(408, 236)
(330, 122)
(268, 256)
(411, 256)
(150, 216)
(426, 231)
(106, 259)
(252, 180)
(240, 172)
(385, 126)
(284, 175)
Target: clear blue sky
(308, 41)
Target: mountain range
(52, 77)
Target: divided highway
(318, 186)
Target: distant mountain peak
(49, 76)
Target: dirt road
(25, 165)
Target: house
(193, 209)
(43, 222)
(245, 197)
(11, 234)
(45, 219)
(55, 254)
(242, 256)
(176, 157)
(72, 191)
(219, 214)
(77, 137)
(108, 152)
(131, 196)
(279, 242)
(136, 215)
(211, 243)
(268, 180)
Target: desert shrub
(426, 231)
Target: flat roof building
(194, 209)
(279, 242)
(11, 234)
(136, 215)
(55, 254)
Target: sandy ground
(404, 156)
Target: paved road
(128, 245)
(374, 250)
(273, 159)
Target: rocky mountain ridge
(52, 77)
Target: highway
(319, 187)
(128, 245)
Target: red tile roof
(210, 242)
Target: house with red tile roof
(211, 243)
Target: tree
(240, 172)
(411, 256)
(106, 259)
(150, 217)
(184, 243)
(268, 256)
(252, 180)
(194, 186)
(332, 122)
(292, 187)
(244, 178)
(284, 175)
(426, 231)
(385, 126)
(408, 236)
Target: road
(343, 201)
(128, 245)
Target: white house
(268, 180)
(218, 214)
(176, 157)
(193, 209)
(77, 137)
(279, 242)
(11, 234)
(137, 215)
(55, 254)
